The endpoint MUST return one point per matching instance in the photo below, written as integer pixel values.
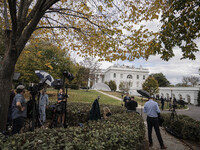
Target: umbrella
(44, 75)
(144, 93)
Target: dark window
(114, 75)
(137, 76)
(129, 76)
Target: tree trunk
(5, 86)
(7, 67)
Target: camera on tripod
(174, 106)
(68, 75)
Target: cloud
(174, 69)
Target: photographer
(18, 109)
(62, 104)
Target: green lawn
(84, 96)
(137, 98)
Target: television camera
(58, 84)
(32, 107)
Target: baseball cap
(20, 87)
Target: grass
(83, 96)
(139, 100)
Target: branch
(12, 7)
(85, 18)
(62, 25)
(21, 8)
(65, 9)
(6, 15)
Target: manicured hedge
(184, 127)
(121, 131)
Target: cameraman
(18, 109)
(62, 104)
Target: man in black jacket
(132, 104)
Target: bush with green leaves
(198, 99)
(112, 85)
(74, 86)
(184, 126)
(121, 131)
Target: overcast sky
(174, 69)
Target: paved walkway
(117, 98)
(170, 141)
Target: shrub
(121, 131)
(74, 86)
(184, 126)
(198, 99)
(112, 85)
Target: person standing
(18, 109)
(162, 102)
(62, 102)
(126, 99)
(132, 104)
(152, 110)
(43, 102)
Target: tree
(193, 80)
(162, 80)
(93, 67)
(82, 76)
(90, 27)
(180, 27)
(185, 80)
(181, 85)
(124, 86)
(42, 56)
(112, 85)
(151, 85)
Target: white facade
(188, 94)
(135, 77)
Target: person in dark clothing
(12, 95)
(152, 110)
(62, 100)
(131, 105)
(162, 102)
(95, 110)
(18, 109)
(126, 100)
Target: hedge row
(184, 127)
(121, 131)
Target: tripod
(173, 114)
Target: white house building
(188, 94)
(135, 77)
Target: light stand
(141, 104)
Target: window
(138, 84)
(129, 76)
(114, 75)
(143, 77)
(137, 76)
(121, 75)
